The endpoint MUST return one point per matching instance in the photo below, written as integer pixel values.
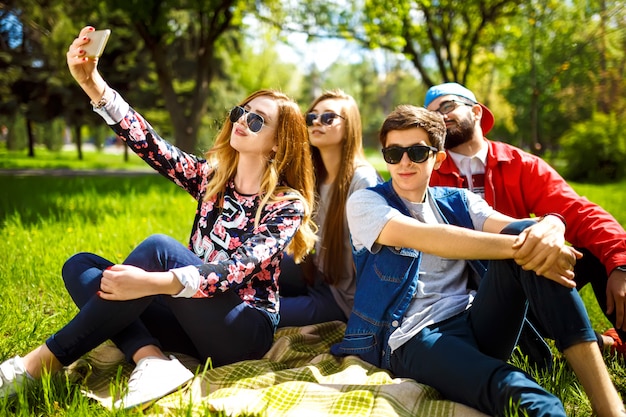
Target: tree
(442, 41)
(181, 39)
(562, 70)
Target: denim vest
(387, 280)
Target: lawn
(45, 219)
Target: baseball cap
(487, 121)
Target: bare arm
(455, 242)
(446, 241)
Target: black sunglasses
(417, 153)
(254, 121)
(449, 106)
(325, 118)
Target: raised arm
(85, 70)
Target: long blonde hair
(352, 155)
(289, 170)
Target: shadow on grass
(35, 199)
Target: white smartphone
(97, 42)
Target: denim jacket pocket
(358, 343)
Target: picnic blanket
(297, 377)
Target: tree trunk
(79, 142)
(31, 138)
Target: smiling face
(410, 179)
(327, 136)
(263, 142)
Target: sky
(321, 52)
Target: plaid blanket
(297, 377)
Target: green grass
(46, 219)
(68, 159)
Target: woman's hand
(84, 69)
(127, 282)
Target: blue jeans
(222, 327)
(304, 304)
(465, 357)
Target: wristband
(560, 217)
(103, 101)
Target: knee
(155, 241)
(151, 245)
(517, 227)
(74, 266)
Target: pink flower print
(249, 202)
(266, 262)
(262, 251)
(212, 278)
(270, 244)
(249, 267)
(136, 133)
(164, 150)
(206, 208)
(264, 275)
(234, 243)
(235, 274)
(219, 231)
(247, 294)
(189, 170)
(201, 294)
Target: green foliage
(595, 150)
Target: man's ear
(439, 158)
(477, 111)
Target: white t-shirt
(473, 169)
(442, 289)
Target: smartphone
(97, 42)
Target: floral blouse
(234, 255)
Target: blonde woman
(215, 298)
(323, 288)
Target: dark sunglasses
(325, 118)
(254, 121)
(450, 105)
(417, 153)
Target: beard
(460, 133)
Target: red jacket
(519, 184)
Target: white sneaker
(12, 375)
(152, 379)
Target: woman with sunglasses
(215, 298)
(322, 288)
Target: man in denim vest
(417, 312)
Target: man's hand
(616, 297)
(562, 271)
(538, 247)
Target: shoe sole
(144, 405)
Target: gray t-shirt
(343, 292)
(442, 290)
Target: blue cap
(456, 89)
